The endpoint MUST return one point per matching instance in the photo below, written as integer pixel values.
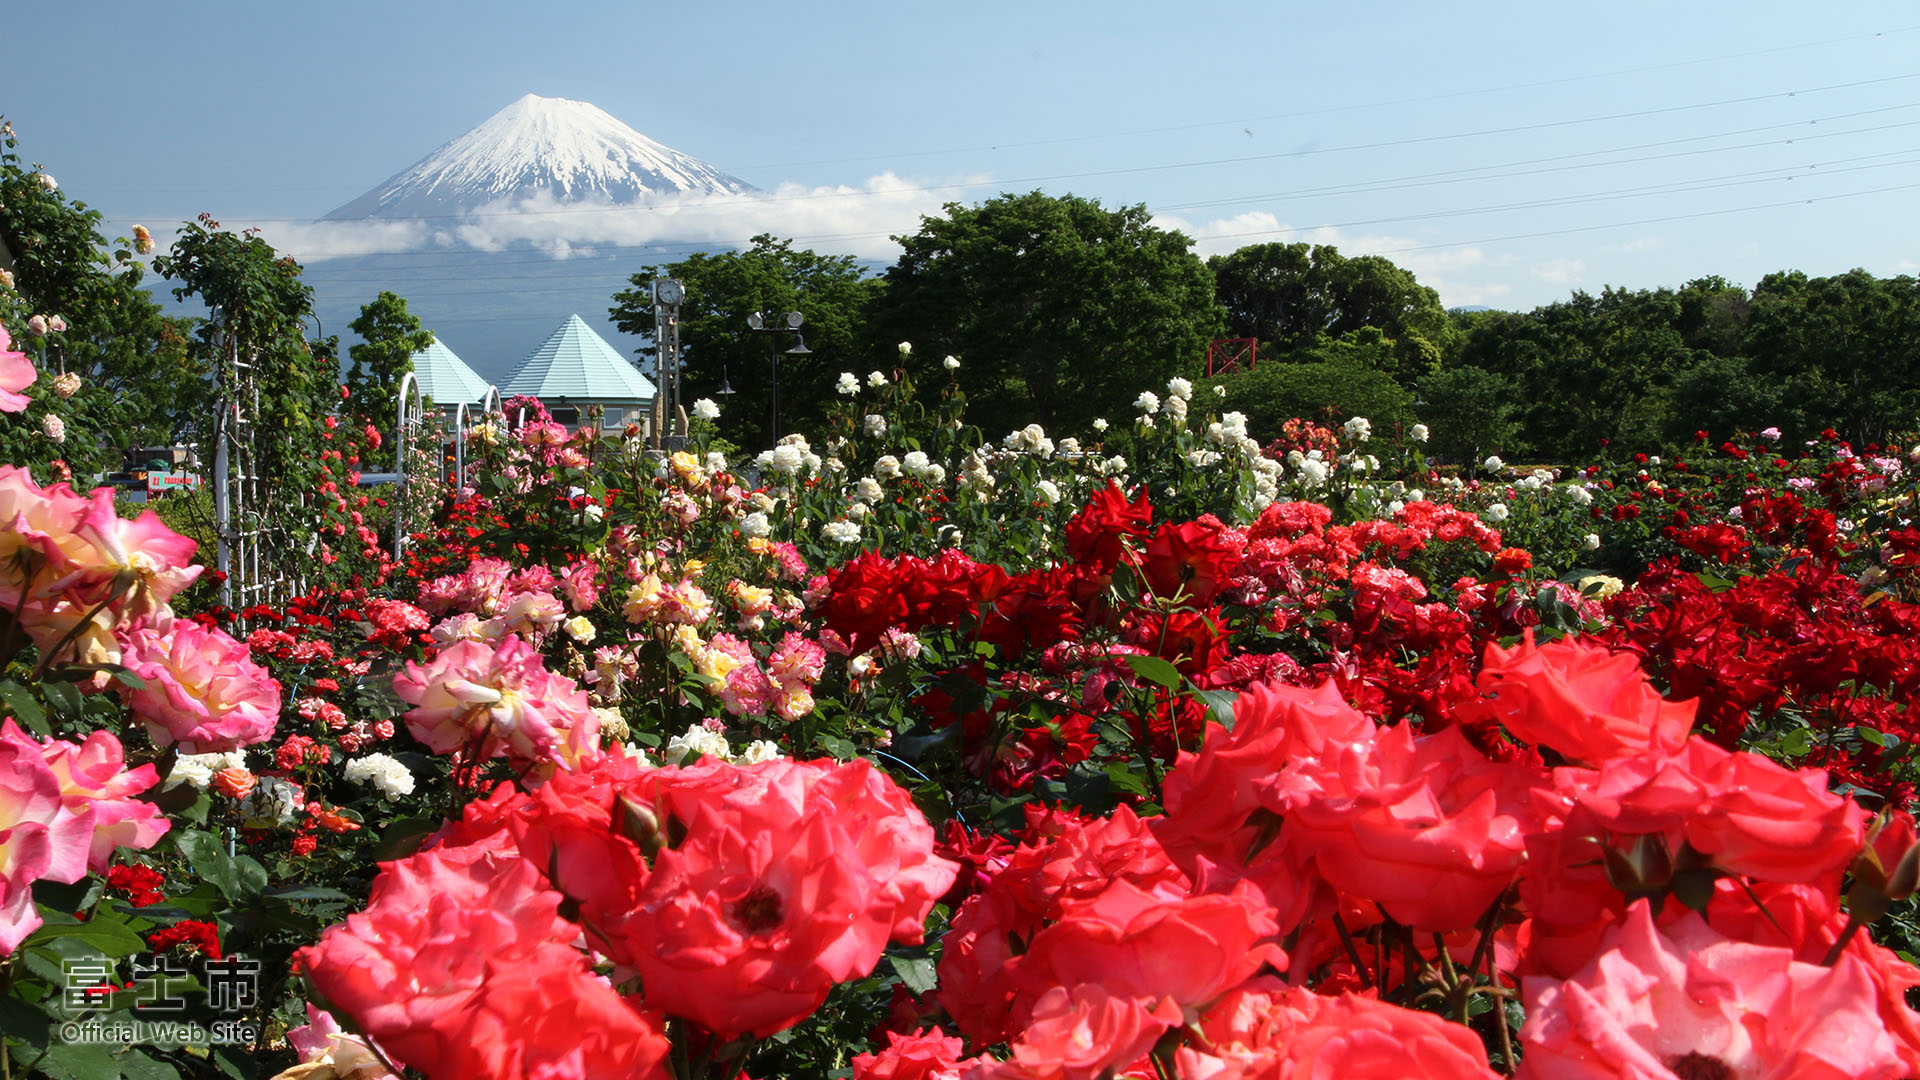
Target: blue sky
(1507, 153)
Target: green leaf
(404, 837)
(20, 702)
(135, 1065)
(1155, 670)
(104, 933)
(1219, 705)
(79, 1061)
(64, 700)
(916, 972)
(237, 877)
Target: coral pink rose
(1268, 1031)
(1586, 702)
(1425, 826)
(923, 1055)
(787, 878)
(1081, 1033)
(497, 701)
(1689, 1003)
(202, 689)
(1185, 950)
(1748, 814)
(1035, 887)
(461, 966)
(140, 563)
(16, 374)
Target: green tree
(722, 290)
(258, 308)
(390, 336)
(1060, 310)
(1470, 412)
(1844, 350)
(1292, 296)
(137, 383)
(1329, 389)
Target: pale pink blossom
(497, 701)
(202, 689)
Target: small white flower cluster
(1031, 439)
(792, 457)
(916, 465)
(382, 771)
(198, 769)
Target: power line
(727, 201)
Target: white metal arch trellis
(410, 415)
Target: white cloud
(845, 219)
(1560, 271)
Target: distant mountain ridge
(569, 150)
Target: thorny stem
(1353, 954)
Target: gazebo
(446, 380)
(576, 368)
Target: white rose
(840, 532)
(580, 628)
(384, 772)
(952, 363)
(755, 525)
(1359, 429)
(876, 379)
(1179, 388)
(1418, 433)
(906, 349)
(847, 384)
(705, 409)
(1497, 512)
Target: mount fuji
(568, 151)
(488, 275)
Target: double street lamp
(772, 323)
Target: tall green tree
(1470, 413)
(137, 383)
(390, 335)
(1291, 296)
(257, 313)
(1845, 351)
(1059, 309)
(722, 290)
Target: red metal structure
(1229, 355)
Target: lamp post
(788, 323)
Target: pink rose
(202, 689)
(16, 374)
(487, 701)
(97, 786)
(924, 1055)
(1690, 1003)
(1748, 814)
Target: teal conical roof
(577, 364)
(446, 378)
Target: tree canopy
(1059, 309)
(722, 290)
(390, 336)
(1291, 296)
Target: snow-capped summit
(569, 150)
